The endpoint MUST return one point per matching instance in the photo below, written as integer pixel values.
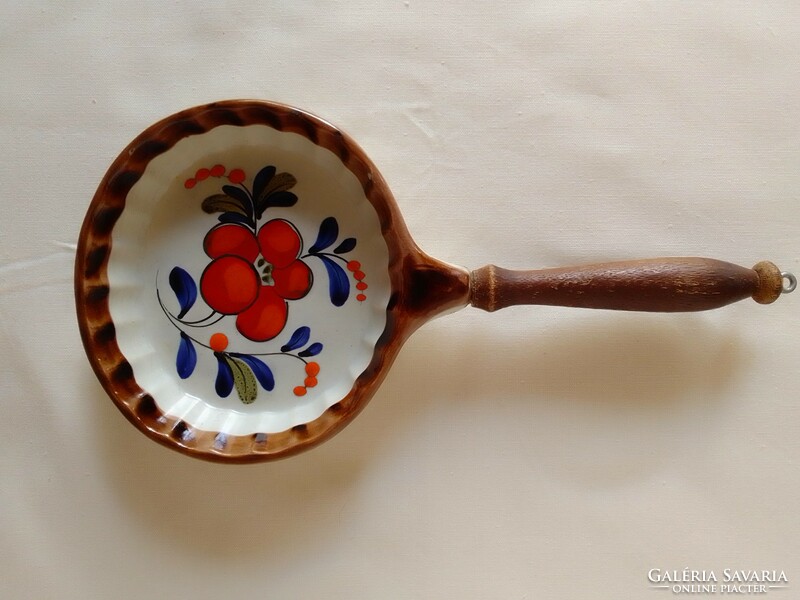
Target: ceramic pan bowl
(244, 279)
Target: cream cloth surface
(532, 453)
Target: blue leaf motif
(281, 199)
(232, 217)
(262, 372)
(224, 382)
(299, 338)
(241, 196)
(339, 283)
(185, 289)
(346, 246)
(262, 179)
(187, 357)
(328, 232)
(312, 350)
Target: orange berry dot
(359, 275)
(361, 297)
(217, 171)
(202, 174)
(299, 391)
(312, 369)
(310, 382)
(354, 265)
(218, 342)
(361, 286)
(189, 184)
(236, 176)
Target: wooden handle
(653, 285)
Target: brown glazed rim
(409, 305)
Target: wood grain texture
(652, 285)
(770, 282)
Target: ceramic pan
(244, 280)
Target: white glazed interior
(163, 226)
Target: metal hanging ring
(789, 282)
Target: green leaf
(243, 379)
(223, 203)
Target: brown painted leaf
(279, 183)
(223, 203)
(276, 189)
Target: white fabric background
(532, 453)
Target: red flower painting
(256, 271)
(253, 276)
